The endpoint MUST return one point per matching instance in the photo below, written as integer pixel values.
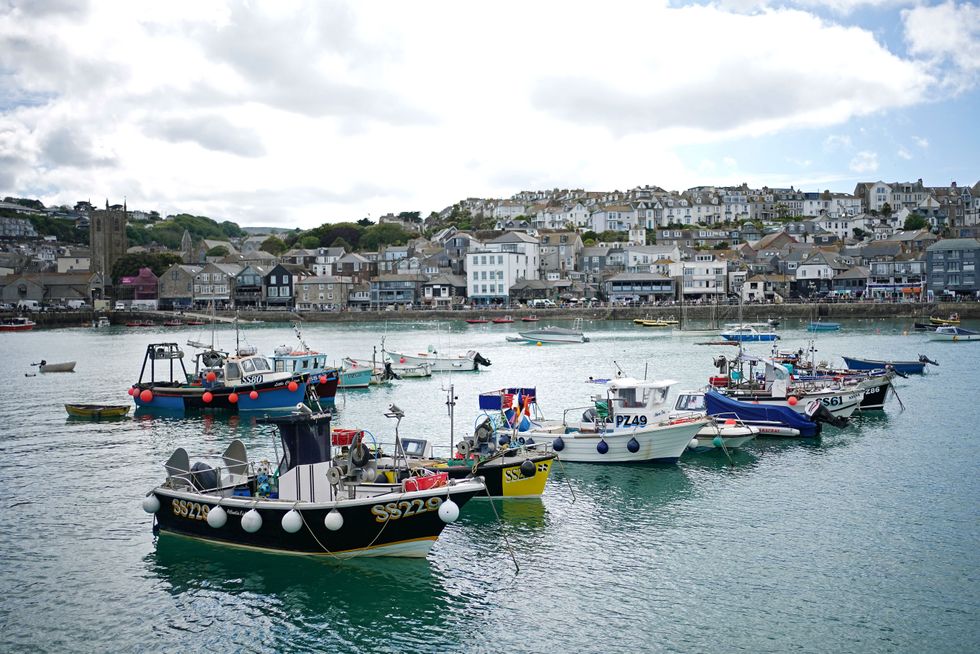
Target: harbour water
(866, 541)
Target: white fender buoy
(292, 521)
(449, 511)
(693, 444)
(252, 521)
(151, 504)
(217, 517)
(368, 475)
(333, 520)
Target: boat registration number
(404, 509)
(252, 379)
(631, 421)
(190, 510)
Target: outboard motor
(481, 361)
(924, 359)
(388, 373)
(817, 412)
(204, 476)
(890, 368)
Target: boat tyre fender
(360, 455)
(464, 448)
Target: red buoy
(792, 400)
(131, 391)
(323, 379)
(233, 398)
(254, 395)
(207, 397)
(292, 386)
(211, 376)
(147, 395)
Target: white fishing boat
(66, 366)
(551, 334)
(750, 332)
(437, 362)
(727, 432)
(631, 423)
(953, 333)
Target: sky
(293, 114)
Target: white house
(704, 276)
(496, 266)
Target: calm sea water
(867, 541)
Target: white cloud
(837, 142)
(864, 162)
(904, 154)
(947, 35)
(729, 162)
(301, 112)
(920, 141)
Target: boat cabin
(252, 369)
(306, 455)
(634, 402)
(286, 360)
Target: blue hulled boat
(824, 327)
(904, 367)
(781, 420)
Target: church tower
(107, 237)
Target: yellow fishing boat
(655, 323)
(954, 319)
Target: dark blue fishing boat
(904, 367)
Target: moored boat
(310, 503)
(65, 366)
(750, 332)
(771, 419)
(819, 326)
(904, 367)
(531, 318)
(97, 411)
(954, 319)
(954, 333)
(551, 334)
(477, 321)
(437, 362)
(17, 324)
(503, 320)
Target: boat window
(248, 366)
(628, 397)
(280, 366)
(232, 371)
(690, 403)
(306, 364)
(261, 365)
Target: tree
(859, 233)
(273, 245)
(886, 210)
(309, 242)
(723, 245)
(410, 216)
(339, 242)
(217, 251)
(365, 222)
(129, 265)
(914, 223)
(387, 234)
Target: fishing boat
(750, 332)
(16, 324)
(195, 323)
(355, 377)
(308, 503)
(494, 452)
(953, 333)
(954, 319)
(551, 334)
(469, 361)
(772, 420)
(504, 320)
(97, 411)
(140, 323)
(724, 432)
(904, 367)
(531, 318)
(102, 322)
(477, 321)
(239, 382)
(655, 323)
(66, 366)
(631, 423)
(324, 377)
(173, 323)
(385, 367)
(819, 326)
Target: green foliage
(914, 222)
(129, 265)
(388, 234)
(365, 222)
(339, 242)
(410, 216)
(589, 235)
(859, 233)
(611, 236)
(309, 242)
(723, 245)
(327, 233)
(62, 229)
(886, 210)
(589, 242)
(170, 232)
(218, 251)
(273, 245)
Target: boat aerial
(308, 503)
(954, 333)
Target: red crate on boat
(425, 483)
(341, 437)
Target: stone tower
(107, 237)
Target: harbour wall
(719, 313)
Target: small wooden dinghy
(97, 410)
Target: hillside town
(886, 241)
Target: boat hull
(67, 366)
(395, 524)
(823, 327)
(547, 337)
(97, 411)
(732, 437)
(657, 444)
(905, 367)
(436, 363)
(750, 338)
(271, 396)
(355, 378)
(504, 478)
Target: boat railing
(227, 475)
